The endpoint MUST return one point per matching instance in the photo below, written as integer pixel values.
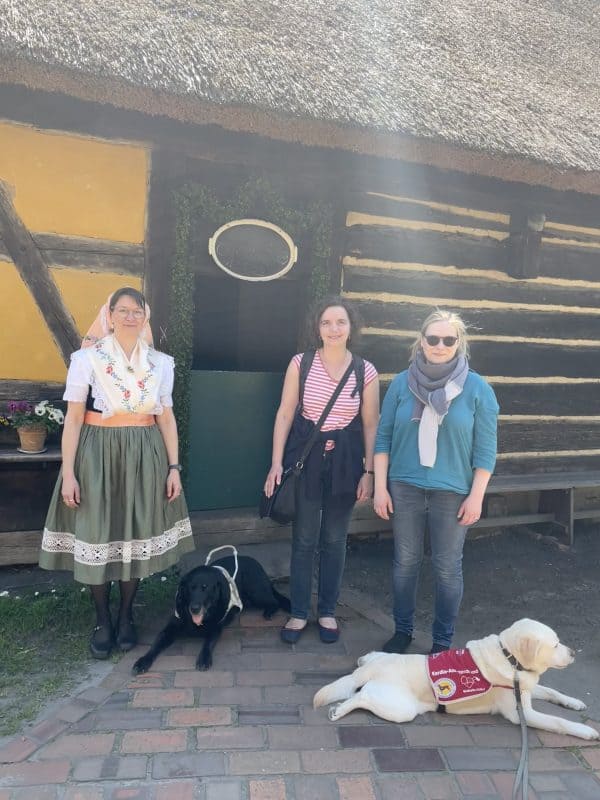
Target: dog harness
(455, 676)
(235, 601)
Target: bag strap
(359, 369)
(317, 429)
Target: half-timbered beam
(34, 271)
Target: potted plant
(33, 422)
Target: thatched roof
(509, 77)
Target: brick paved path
(246, 730)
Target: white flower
(40, 410)
(53, 415)
(35, 594)
(60, 417)
(4, 593)
(163, 578)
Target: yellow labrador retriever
(399, 687)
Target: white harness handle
(224, 547)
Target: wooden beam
(29, 390)
(34, 271)
(80, 252)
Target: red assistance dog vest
(455, 676)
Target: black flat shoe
(101, 641)
(397, 644)
(127, 636)
(438, 648)
(328, 635)
(291, 635)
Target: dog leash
(522, 776)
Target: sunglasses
(449, 341)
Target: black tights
(101, 597)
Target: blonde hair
(439, 315)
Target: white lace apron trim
(125, 552)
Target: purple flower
(19, 407)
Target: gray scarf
(434, 387)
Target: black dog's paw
(143, 664)
(203, 663)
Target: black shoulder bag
(281, 506)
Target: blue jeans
(322, 525)
(413, 509)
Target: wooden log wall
(536, 340)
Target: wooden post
(524, 244)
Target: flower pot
(32, 438)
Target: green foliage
(256, 199)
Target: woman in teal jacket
(435, 452)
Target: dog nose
(195, 609)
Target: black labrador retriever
(206, 602)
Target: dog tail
(283, 601)
(341, 689)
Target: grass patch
(44, 642)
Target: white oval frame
(261, 224)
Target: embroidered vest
(455, 676)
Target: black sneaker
(436, 647)
(398, 643)
(101, 641)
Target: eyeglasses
(449, 341)
(123, 313)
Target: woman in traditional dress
(434, 455)
(339, 468)
(118, 511)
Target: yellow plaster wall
(75, 185)
(85, 292)
(71, 186)
(27, 351)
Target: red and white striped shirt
(320, 386)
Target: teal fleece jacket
(466, 438)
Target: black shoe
(328, 635)
(127, 636)
(291, 635)
(101, 641)
(398, 643)
(436, 647)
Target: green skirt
(124, 527)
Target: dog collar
(512, 660)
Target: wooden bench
(26, 483)
(556, 499)
(10, 455)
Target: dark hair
(135, 295)
(313, 331)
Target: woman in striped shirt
(339, 469)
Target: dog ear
(181, 599)
(528, 649)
